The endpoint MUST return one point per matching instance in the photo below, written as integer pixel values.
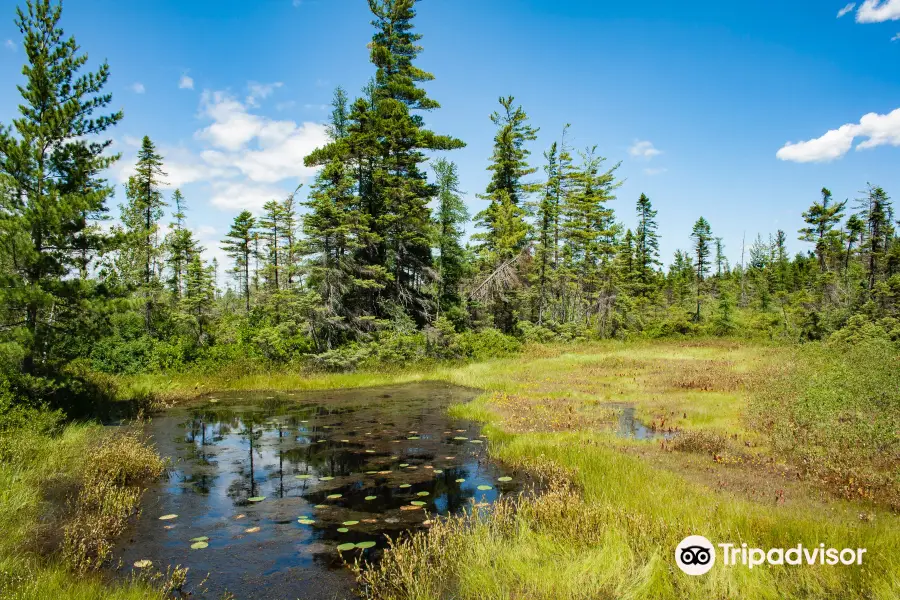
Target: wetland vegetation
(367, 392)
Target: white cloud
(261, 91)
(881, 130)
(315, 106)
(896, 38)
(878, 11)
(138, 87)
(643, 149)
(186, 83)
(285, 105)
(239, 195)
(10, 45)
(180, 165)
(847, 9)
(652, 172)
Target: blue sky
(699, 100)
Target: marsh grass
(65, 492)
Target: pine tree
(880, 231)
(271, 228)
(239, 243)
(450, 223)
(180, 245)
(50, 165)
(140, 216)
(547, 219)
(646, 242)
(821, 218)
(199, 292)
(702, 235)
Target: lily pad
(402, 465)
(252, 530)
(371, 497)
(168, 517)
(423, 493)
(350, 523)
(460, 480)
(199, 545)
(370, 451)
(504, 479)
(476, 441)
(460, 438)
(304, 476)
(306, 521)
(142, 564)
(484, 488)
(405, 485)
(202, 538)
(326, 478)
(333, 496)
(413, 437)
(256, 499)
(365, 545)
(438, 471)
(342, 530)
(321, 506)
(346, 547)
(417, 503)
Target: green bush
(488, 343)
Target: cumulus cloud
(186, 83)
(138, 87)
(878, 11)
(643, 149)
(847, 9)
(234, 196)
(261, 91)
(879, 130)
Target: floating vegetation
(333, 496)
(202, 538)
(484, 488)
(403, 465)
(252, 530)
(438, 471)
(422, 493)
(460, 438)
(476, 441)
(199, 545)
(142, 564)
(346, 547)
(417, 503)
(168, 517)
(370, 498)
(413, 437)
(384, 472)
(405, 485)
(411, 507)
(350, 523)
(342, 530)
(304, 476)
(239, 517)
(321, 506)
(460, 480)
(365, 545)
(304, 522)
(256, 499)
(504, 479)
(370, 451)
(326, 478)
(213, 400)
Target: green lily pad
(417, 503)
(321, 506)
(202, 538)
(504, 479)
(475, 441)
(364, 545)
(413, 437)
(404, 465)
(306, 521)
(304, 476)
(256, 499)
(199, 545)
(438, 471)
(320, 441)
(333, 496)
(460, 481)
(405, 485)
(422, 493)
(168, 517)
(342, 530)
(346, 547)
(484, 488)
(326, 478)
(459, 437)
(350, 523)
(371, 497)
(370, 451)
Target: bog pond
(268, 493)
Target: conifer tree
(51, 159)
(702, 235)
(180, 245)
(450, 219)
(199, 293)
(238, 243)
(821, 218)
(646, 242)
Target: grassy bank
(778, 446)
(66, 492)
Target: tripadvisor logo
(696, 555)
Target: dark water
(379, 449)
(631, 427)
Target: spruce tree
(450, 219)
(646, 242)
(51, 159)
(702, 235)
(180, 246)
(239, 244)
(821, 218)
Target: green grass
(52, 531)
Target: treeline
(373, 264)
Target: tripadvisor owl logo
(695, 555)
